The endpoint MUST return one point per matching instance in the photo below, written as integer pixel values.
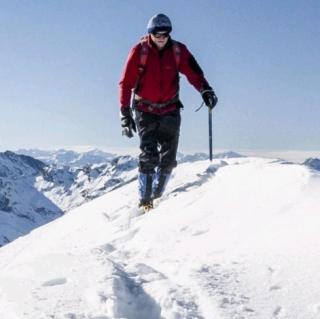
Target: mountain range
(33, 193)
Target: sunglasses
(161, 35)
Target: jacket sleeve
(191, 69)
(129, 77)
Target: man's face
(160, 39)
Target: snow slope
(235, 239)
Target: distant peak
(28, 160)
(313, 163)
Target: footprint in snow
(275, 287)
(124, 239)
(107, 248)
(106, 216)
(277, 312)
(55, 282)
(200, 232)
(220, 283)
(184, 228)
(271, 270)
(144, 273)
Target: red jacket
(159, 82)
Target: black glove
(127, 122)
(209, 97)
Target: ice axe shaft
(210, 108)
(210, 125)
(210, 132)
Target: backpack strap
(176, 52)
(143, 54)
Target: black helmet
(158, 23)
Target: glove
(209, 97)
(127, 122)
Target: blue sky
(61, 61)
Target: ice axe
(210, 125)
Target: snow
(33, 193)
(234, 239)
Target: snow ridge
(232, 239)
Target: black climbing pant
(159, 138)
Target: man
(151, 79)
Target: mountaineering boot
(145, 190)
(159, 184)
(146, 205)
